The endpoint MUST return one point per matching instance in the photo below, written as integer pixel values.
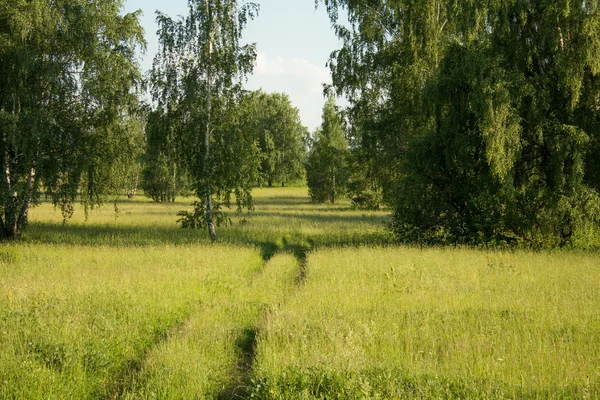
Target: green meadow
(295, 300)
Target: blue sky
(293, 41)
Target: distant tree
(66, 102)
(279, 132)
(487, 112)
(368, 176)
(126, 172)
(363, 187)
(164, 174)
(326, 168)
(198, 73)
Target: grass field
(295, 301)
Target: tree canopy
(67, 102)
(196, 79)
(326, 167)
(486, 114)
(279, 132)
(165, 174)
(477, 121)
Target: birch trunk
(24, 213)
(9, 228)
(333, 187)
(207, 172)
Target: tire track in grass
(125, 377)
(300, 252)
(246, 345)
(284, 269)
(180, 361)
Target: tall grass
(436, 323)
(295, 301)
(280, 213)
(212, 354)
(77, 323)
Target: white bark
(24, 213)
(207, 172)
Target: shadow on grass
(110, 235)
(282, 201)
(246, 345)
(268, 250)
(300, 251)
(269, 241)
(326, 217)
(286, 227)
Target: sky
(293, 41)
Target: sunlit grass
(77, 322)
(279, 213)
(432, 323)
(296, 300)
(211, 354)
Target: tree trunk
(207, 172)
(333, 187)
(10, 222)
(23, 217)
(133, 188)
(11, 208)
(207, 180)
(174, 184)
(7, 233)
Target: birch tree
(485, 111)
(67, 100)
(279, 132)
(197, 77)
(326, 169)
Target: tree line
(269, 121)
(474, 122)
(73, 126)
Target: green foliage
(486, 111)
(364, 188)
(124, 175)
(197, 218)
(280, 133)
(66, 103)
(196, 85)
(326, 169)
(164, 175)
(160, 180)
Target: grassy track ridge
(268, 292)
(436, 323)
(74, 327)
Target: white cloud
(312, 76)
(299, 78)
(267, 67)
